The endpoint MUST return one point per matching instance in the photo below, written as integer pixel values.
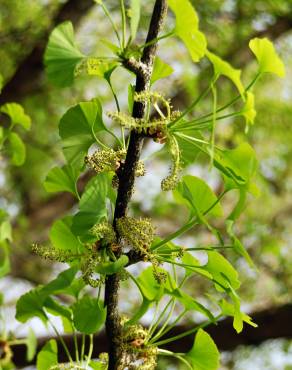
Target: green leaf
(204, 354)
(239, 248)
(100, 68)
(82, 224)
(62, 55)
(187, 28)
(193, 265)
(16, 149)
(92, 206)
(61, 282)
(135, 17)
(1, 82)
(229, 309)
(150, 289)
(17, 115)
(190, 303)
(248, 111)
(160, 70)
(62, 237)
(4, 259)
(267, 57)
(88, 315)
(222, 68)
(62, 179)
(239, 165)
(5, 231)
(109, 268)
(222, 271)
(31, 305)
(31, 343)
(75, 287)
(48, 356)
(197, 195)
(94, 196)
(97, 365)
(77, 130)
(56, 309)
(188, 150)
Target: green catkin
(104, 231)
(170, 182)
(106, 237)
(140, 169)
(135, 350)
(138, 233)
(104, 160)
(139, 124)
(154, 98)
(53, 254)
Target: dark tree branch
(127, 179)
(273, 323)
(27, 78)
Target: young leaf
(225, 69)
(97, 365)
(135, 17)
(150, 288)
(31, 305)
(187, 28)
(56, 309)
(88, 315)
(96, 67)
(92, 206)
(239, 248)
(190, 303)
(267, 57)
(48, 356)
(16, 149)
(82, 224)
(77, 130)
(62, 55)
(31, 343)
(222, 271)
(160, 70)
(204, 354)
(62, 237)
(239, 165)
(197, 195)
(192, 265)
(16, 114)
(5, 231)
(62, 179)
(94, 196)
(4, 259)
(229, 309)
(248, 111)
(109, 268)
(61, 282)
(188, 150)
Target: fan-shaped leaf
(62, 55)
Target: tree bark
(127, 179)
